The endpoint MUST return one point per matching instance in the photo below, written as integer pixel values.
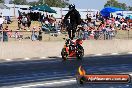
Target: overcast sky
(91, 4)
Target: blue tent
(105, 12)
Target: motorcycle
(72, 49)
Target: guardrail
(105, 35)
(7, 35)
(36, 35)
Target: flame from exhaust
(81, 71)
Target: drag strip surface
(22, 72)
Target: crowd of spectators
(50, 24)
(88, 29)
(107, 27)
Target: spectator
(97, 16)
(117, 24)
(1, 27)
(90, 24)
(8, 20)
(28, 22)
(124, 25)
(19, 23)
(5, 35)
(34, 36)
(108, 33)
(24, 21)
(40, 35)
(18, 35)
(8, 31)
(85, 36)
(1, 22)
(45, 26)
(117, 18)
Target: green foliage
(33, 3)
(55, 3)
(19, 2)
(115, 3)
(52, 3)
(111, 3)
(1, 1)
(130, 8)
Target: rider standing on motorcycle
(75, 20)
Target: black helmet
(72, 6)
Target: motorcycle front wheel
(64, 54)
(80, 52)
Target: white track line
(8, 59)
(98, 55)
(42, 57)
(59, 56)
(48, 83)
(26, 58)
(114, 53)
(129, 52)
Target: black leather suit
(75, 20)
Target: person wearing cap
(75, 20)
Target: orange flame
(81, 71)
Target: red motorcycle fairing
(70, 48)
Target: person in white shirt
(24, 21)
(46, 22)
(1, 22)
(117, 23)
(124, 26)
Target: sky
(91, 4)
(95, 4)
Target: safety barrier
(86, 35)
(104, 35)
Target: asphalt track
(59, 74)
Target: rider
(75, 20)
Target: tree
(10, 2)
(19, 2)
(52, 3)
(1, 1)
(33, 3)
(115, 3)
(121, 6)
(111, 3)
(130, 8)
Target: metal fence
(6, 36)
(105, 35)
(52, 36)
